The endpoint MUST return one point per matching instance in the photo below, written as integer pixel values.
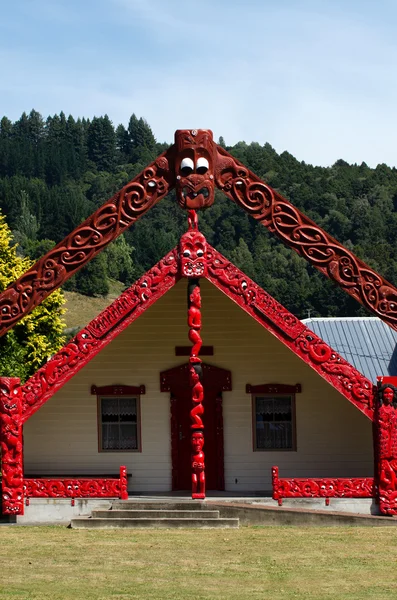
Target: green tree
(37, 336)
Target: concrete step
(157, 514)
(159, 523)
(158, 505)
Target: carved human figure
(197, 396)
(198, 474)
(387, 447)
(194, 168)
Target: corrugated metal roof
(366, 342)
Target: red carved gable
(262, 307)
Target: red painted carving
(386, 444)
(11, 444)
(198, 468)
(100, 331)
(194, 168)
(77, 488)
(87, 240)
(310, 241)
(357, 487)
(215, 381)
(194, 164)
(193, 248)
(193, 265)
(195, 379)
(123, 483)
(291, 331)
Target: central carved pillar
(193, 266)
(11, 446)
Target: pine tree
(38, 335)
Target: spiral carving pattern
(86, 241)
(306, 238)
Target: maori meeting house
(195, 380)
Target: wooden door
(176, 381)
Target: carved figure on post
(386, 446)
(198, 473)
(11, 446)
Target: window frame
(118, 391)
(272, 391)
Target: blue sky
(315, 78)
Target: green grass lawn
(252, 562)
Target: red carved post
(11, 446)
(386, 444)
(193, 266)
(123, 483)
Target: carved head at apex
(192, 252)
(194, 168)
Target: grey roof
(366, 342)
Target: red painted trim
(327, 487)
(130, 305)
(273, 388)
(233, 283)
(83, 487)
(118, 390)
(185, 350)
(291, 332)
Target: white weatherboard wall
(333, 438)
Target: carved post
(123, 483)
(11, 446)
(386, 444)
(193, 266)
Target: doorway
(215, 381)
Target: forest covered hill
(55, 172)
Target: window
(273, 411)
(119, 418)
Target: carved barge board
(291, 332)
(130, 305)
(240, 185)
(87, 240)
(309, 240)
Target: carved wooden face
(388, 395)
(197, 442)
(193, 248)
(194, 168)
